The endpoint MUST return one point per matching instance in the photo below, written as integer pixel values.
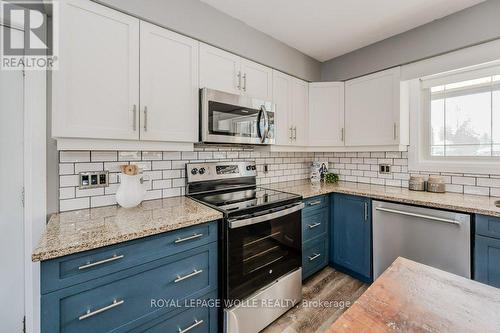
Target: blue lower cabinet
(124, 300)
(314, 256)
(198, 318)
(350, 236)
(487, 260)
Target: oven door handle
(233, 224)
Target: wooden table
(411, 297)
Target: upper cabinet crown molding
(221, 70)
(376, 113)
(95, 92)
(326, 114)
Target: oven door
(230, 118)
(261, 249)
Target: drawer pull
(187, 329)
(314, 203)
(100, 262)
(106, 308)
(315, 256)
(195, 272)
(312, 226)
(180, 240)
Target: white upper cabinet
(227, 72)
(326, 114)
(219, 70)
(372, 110)
(290, 96)
(95, 92)
(300, 112)
(257, 80)
(169, 85)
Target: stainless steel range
(261, 237)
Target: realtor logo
(36, 50)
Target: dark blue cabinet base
(487, 250)
(315, 222)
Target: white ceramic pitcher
(131, 191)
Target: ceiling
(325, 29)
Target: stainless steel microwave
(231, 118)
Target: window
(465, 118)
(455, 121)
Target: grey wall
(200, 21)
(468, 27)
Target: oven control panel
(197, 172)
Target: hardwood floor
(327, 294)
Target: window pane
(437, 122)
(468, 83)
(468, 150)
(468, 119)
(496, 150)
(437, 150)
(496, 116)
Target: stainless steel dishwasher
(432, 237)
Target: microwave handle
(233, 224)
(263, 136)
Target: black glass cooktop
(243, 199)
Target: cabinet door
(487, 260)
(257, 80)
(219, 70)
(282, 87)
(95, 92)
(169, 85)
(372, 109)
(300, 106)
(326, 114)
(351, 234)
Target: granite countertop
(82, 230)
(451, 201)
(412, 297)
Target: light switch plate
(93, 179)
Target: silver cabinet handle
(314, 256)
(134, 112)
(100, 262)
(342, 134)
(189, 328)
(427, 217)
(106, 308)
(239, 81)
(195, 236)
(395, 131)
(245, 82)
(291, 133)
(295, 133)
(312, 226)
(314, 203)
(190, 275)
(145, 119)
(366, 211)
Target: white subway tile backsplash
(165, 171)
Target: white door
(168, 85)
(282, 86)
(220, 70)
(257, 80)
(326, 114)
(300, 112)
(372, 109)
(96, 88)
(11, 189)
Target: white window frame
(419, 158)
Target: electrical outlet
(384, 168)
(94, 179)
(266, 168)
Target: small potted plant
(331, 178)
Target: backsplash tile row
(165, 171)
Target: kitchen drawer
(488, 226)
(127, 294)
(312, 205)
(487, 260)
(314, 225)
(192, 319)
(81, 267)
(314, 256)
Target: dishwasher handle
(427, 217)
